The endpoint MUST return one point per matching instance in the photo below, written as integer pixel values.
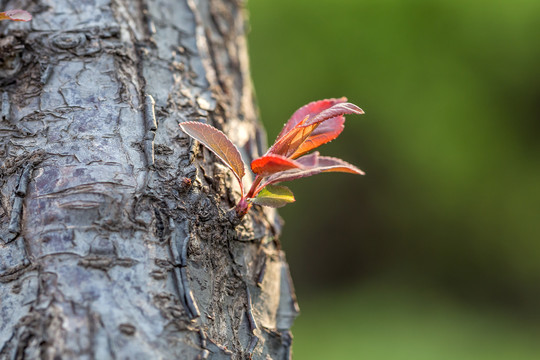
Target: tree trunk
(115, 236)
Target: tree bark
(115, 235)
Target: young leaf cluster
(312, 125)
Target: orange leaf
(290, 143)
(335, 110)
(332, 164)
(324, 133)
(271, 164)
(314, 164)
(309, 111)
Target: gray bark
(115, 239)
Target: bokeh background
(435, 253)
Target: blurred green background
(435, 253)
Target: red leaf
(322, 164)
(219, 144)
(324, 133)
(271, 164)
(16, 15)
(332, 164)
(309, 110)
(289, 143)
(310, 160)
(335, 110)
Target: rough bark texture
(115, 238)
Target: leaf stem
(242, 207)
(245, 204)
(253, 190)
